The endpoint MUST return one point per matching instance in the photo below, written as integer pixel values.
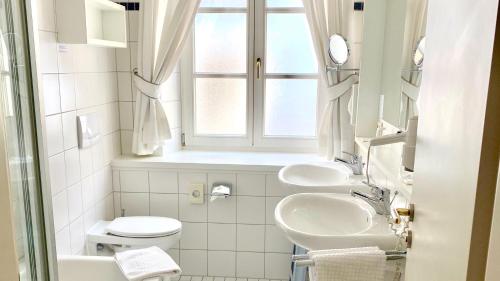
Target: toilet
(126, 233)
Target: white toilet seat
(133, 233)
(143, 227)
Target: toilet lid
(143, 227)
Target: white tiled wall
(77, 79)
(126, 61)
(233, 237)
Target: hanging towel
(148, 263)
(357, 264)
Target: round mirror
(338, 49)
(418, 55)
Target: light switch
(197, 194)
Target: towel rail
(304, 260)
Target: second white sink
(327, 177)
(318, 221)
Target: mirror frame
(336, 62)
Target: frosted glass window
(220, 106)
(223, 4)
(290, 107)
(284, 3)
(289, 47)
(221, 42)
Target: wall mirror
(338, 49)
(392, 67)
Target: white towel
(141, 264)
(357, 264)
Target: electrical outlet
(197, 195)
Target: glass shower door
(17, 108)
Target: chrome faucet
(355, 163)
(379, 198)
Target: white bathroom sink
(320, 177)
(318, 221)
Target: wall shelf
(93, 22)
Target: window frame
(254, 140)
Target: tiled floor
(206, 278)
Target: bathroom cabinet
(92, 22)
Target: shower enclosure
(20, 145)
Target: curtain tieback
(338, 90)
(145, 87)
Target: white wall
(126, 61)
(233, 237)
(77, 79)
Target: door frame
(31, 8)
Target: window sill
(217, 160)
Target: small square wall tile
(186, 179)
(70, 136)
(116, 180)
(48, 52)
(251, 184)
(88, 192)
(164, 205)
(54, 129)
(51, 94)
(221, 263)
(126, 115)
(251, 210)
(163, 182)
(86, 164)
(276, 241)
(222, 237)
(124, 86)
(123, 59)
(222, 210)
(271, 203)
(126, 141)
(63, 242)
(60, 210)
(274, 187)
(250, 238)
(174, 254)
(57, 173)
(194, 262)
(75, 201)
(191, 212)
(72, 162)
(77, 236)
(134, 181)
(194, 236)
(277, 266)
(249, 265)
(67, 91)
(66, 57)
(133, 18)
(46, 16)
(135, 204)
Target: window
(250, 76)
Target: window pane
(220, 106)
(290, 107)
(289, 45)
(221, 42)
(284, 3)
(224, 3)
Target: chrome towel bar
(304, 260)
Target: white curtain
(416, 18)
(335, 130)
(164, 26)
